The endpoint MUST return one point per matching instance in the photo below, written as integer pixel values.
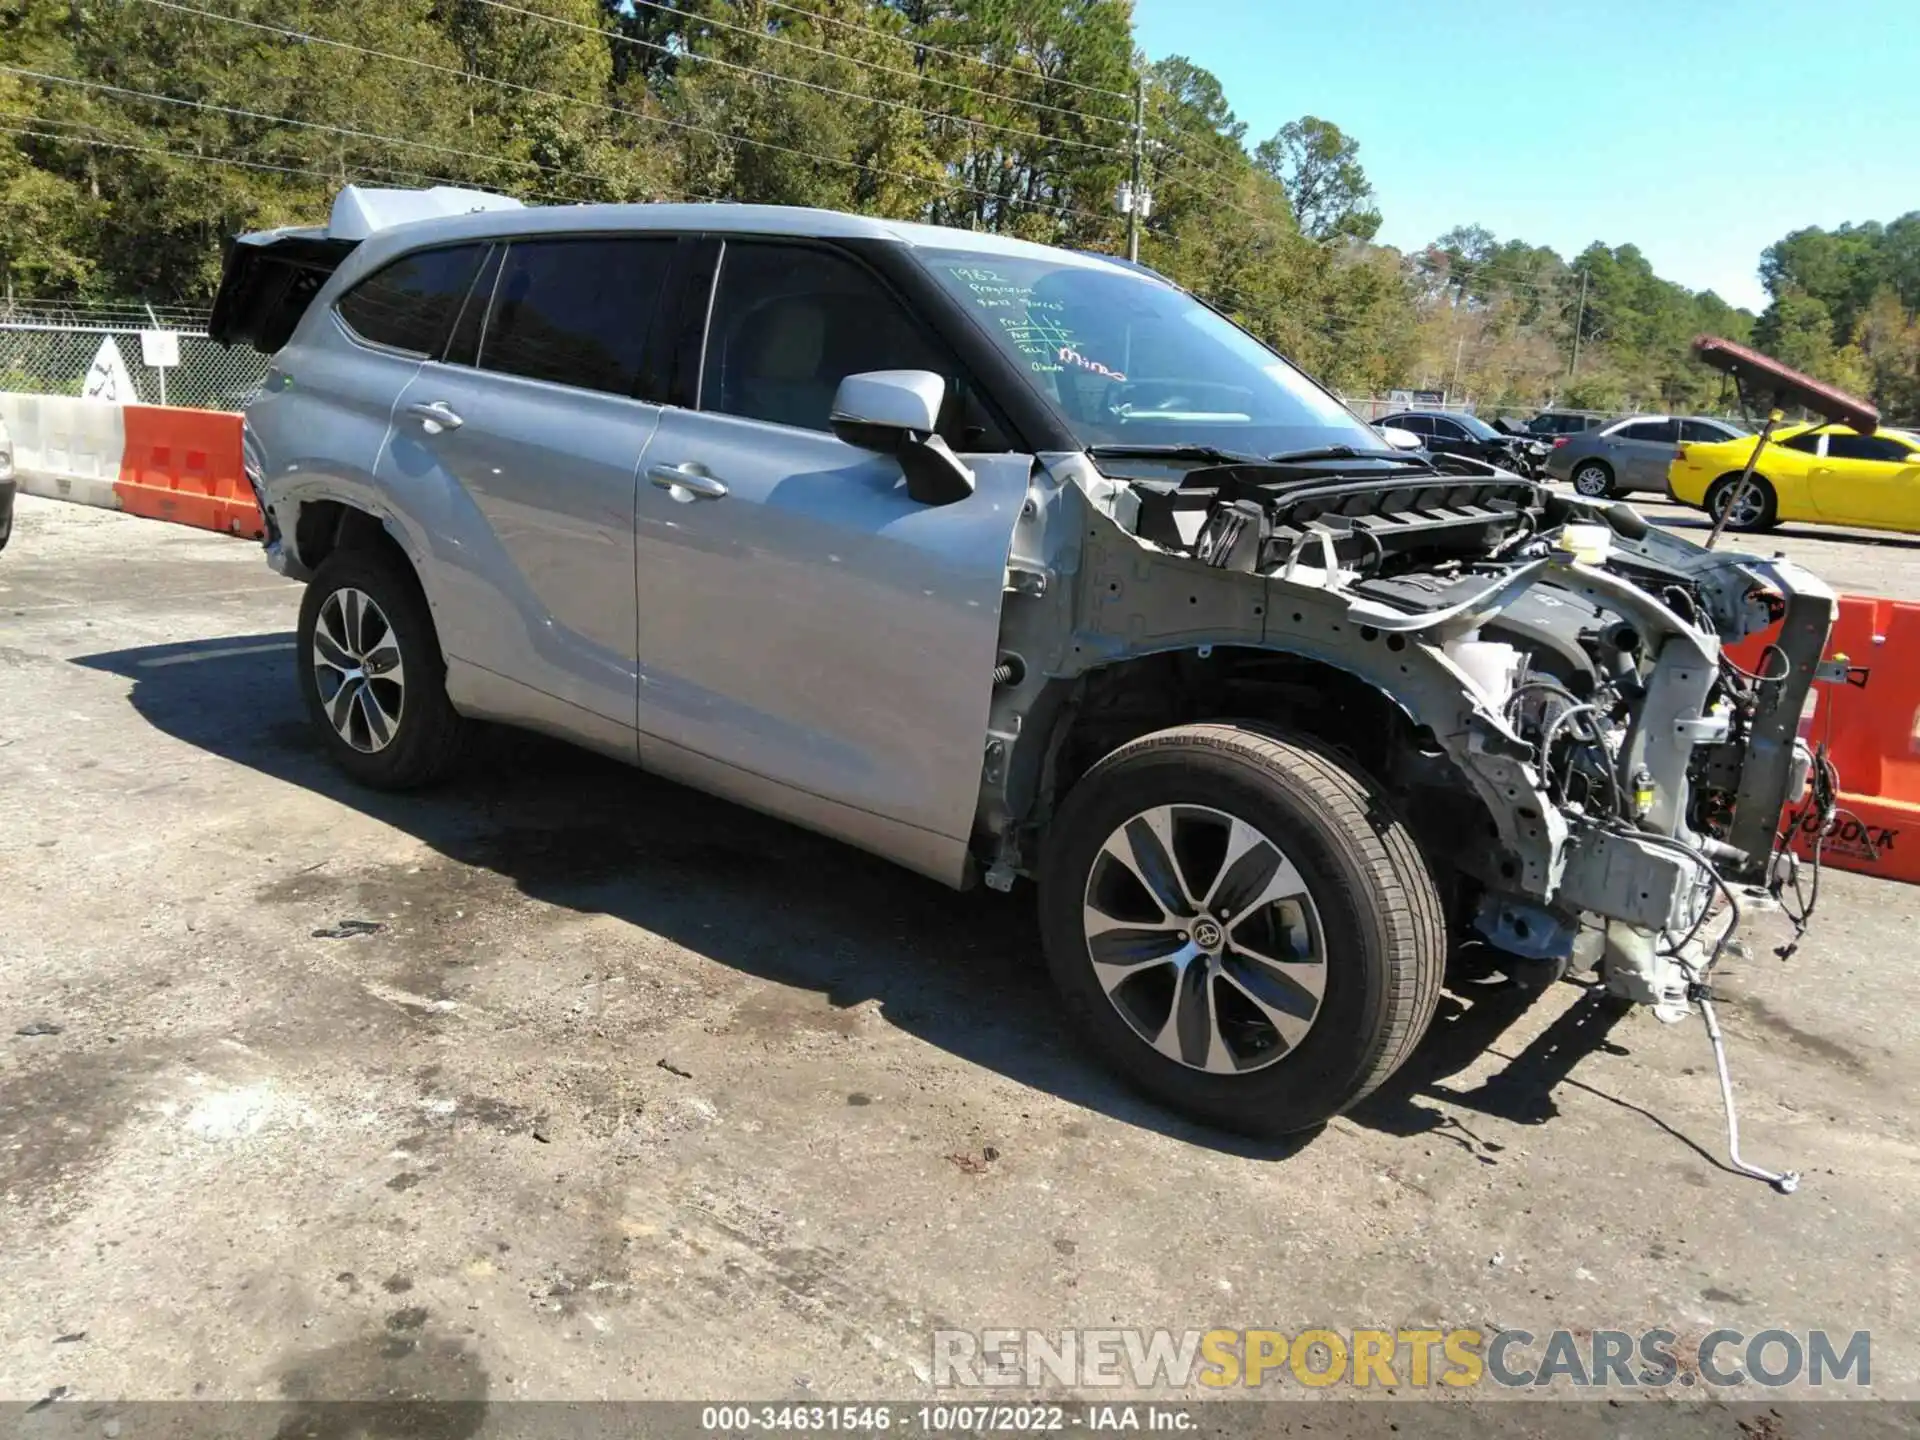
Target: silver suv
(1004, 561)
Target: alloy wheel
(1591, 481)
(1749, 506)
(357, 667)
(1204, 938)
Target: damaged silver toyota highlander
(1006, 561)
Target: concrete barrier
(64, 448)
(165, 462)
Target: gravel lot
(636, 1094)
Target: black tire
(1383, 933)
(1599, 479)
(1768, 514)
(429, 736)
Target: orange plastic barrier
(185, 466)
(1871, 725)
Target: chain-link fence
(49, 352)
(51, 349)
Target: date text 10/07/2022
(967, 1419)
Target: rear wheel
(1757, 508)
(1593, 479)
(1240, 926)
(372, 673)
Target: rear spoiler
(269, 278)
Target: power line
(684, 54)
(101, 139)
(453, 72)
(945, 188)
(1445, 268)
(328, 175)
(961, 55)
(662, 191)
(341, 130)
(1218, 198)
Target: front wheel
(1756, 508)
(372, 673)
(1240, 926)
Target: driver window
(1867, 447)
(790, 322)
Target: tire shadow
(960, 970)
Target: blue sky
(1699, 130)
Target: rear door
(1640, 453)
(1869, 480)
(812, 640)
(521, 448)
(319, 424)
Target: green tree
(1319, 167)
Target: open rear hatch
(270, 277)
(267, 283)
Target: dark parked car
(1451, 433)
(1549, 423)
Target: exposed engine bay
(1601, 784)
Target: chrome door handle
(687, 479)
(436, 415)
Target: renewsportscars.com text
(1220, 1359)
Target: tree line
(137, 135)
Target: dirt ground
(633, 1094)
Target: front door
(804, 626)
(1869, 480)
(526, 458)
(1450, 437)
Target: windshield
(1476, 427)
(1129, 360)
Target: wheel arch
(323, 525)
(1076, 722)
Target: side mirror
(896, 412)
(1400, 439)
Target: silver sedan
(1631, 454)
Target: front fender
(1085, 594)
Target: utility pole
(1579, 320)
(1459, 345)
(1135, 193)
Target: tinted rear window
(1700, 432)
(1656, 431)
(576, 312)
(411, 303)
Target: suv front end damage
(1538, 682)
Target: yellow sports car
(1823, 473)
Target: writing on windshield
(1126, 359)
(1033, 326)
